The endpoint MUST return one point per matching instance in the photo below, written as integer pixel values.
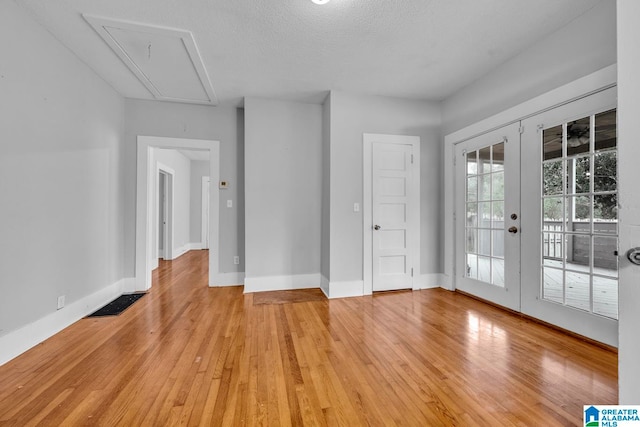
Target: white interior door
(487, 216)
(570, 231)
(394, 231)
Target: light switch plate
(229, 203)
(356, 207)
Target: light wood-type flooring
(186, 354)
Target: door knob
(633, 255)
(513, 229)
(376, 227)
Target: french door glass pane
(552, 140)
(552, 173)
(497, 216)
(578, 136)
(553, 284)
(484, 158)
(472, 266)
(472, 189)
(606, 136)
(605, 260)
(603, 180)
(605, 296)
(552, 249)
(497, 162)
(472, 163)
(577, 290)
(582, 175)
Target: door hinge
(454, 160)
(412, 159)
(412, 272)
(540, 127)
(521, 130)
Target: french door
(536, 216)
(488, 216)
(570, 247)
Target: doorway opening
(147, 224)
(164, 215)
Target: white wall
(181, 166)
(164, 119)
(629, 153)
(61, 184)
(351, 116)
(199, 168)
(282, 194)
(585, 45)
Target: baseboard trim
(228, 279)
(324, 285)
(347, 289)
(281, 283)
(429, 281)
(447, 282)
(17, 342)
(178, 252)
(195, 246)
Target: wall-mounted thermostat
(224, 184)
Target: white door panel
(392, 176)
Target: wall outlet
(236, 260)
(60, 302)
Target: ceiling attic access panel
(165, 60)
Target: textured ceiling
(295, 49)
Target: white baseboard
(195, 246)
(128, 285)
(324, 285)
(228, 279)
(178, 252)
(281, 283)
(447, 282)
(17, 342)
(429, 281)
(353, 288)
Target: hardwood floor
(192, 355)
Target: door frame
(144, 203)
(367, 209)
(206, 185)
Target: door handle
(633, 255)
(376, 227)
(513, 229)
